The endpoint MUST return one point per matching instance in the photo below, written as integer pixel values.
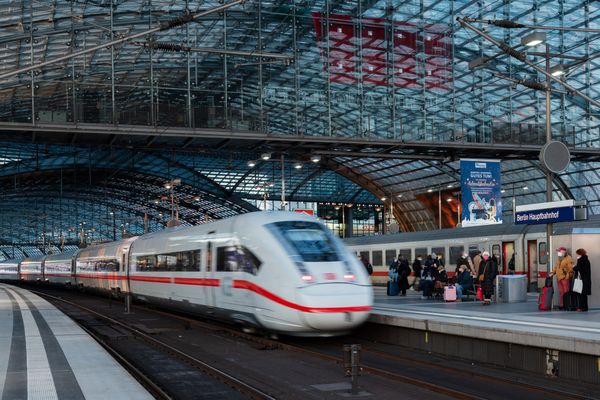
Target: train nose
(336, 307)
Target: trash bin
(511, 288)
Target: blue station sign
(546, 213)
(545, 216)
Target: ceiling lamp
(557, 70)
(298, 165)
(315, 158)
(251, 163)
(265, 156)
(533, 39)
(196, 198)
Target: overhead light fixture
(449, 199)
(265, 156)
(450, 185)
(400, 195)
(196, 198)
(525, 188)
(251, 163)
(478, 62)
(298, 165)
(168, 186)
(533, 39)
(315, 158)
(503, 191)
(557, 70)
(429, 190)
(383, 198)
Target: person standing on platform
(403, 273)
(417, 268)
(563, 269)
(488, 270)
(583, 270)
(463, 259)
(476, 262)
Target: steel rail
(221, 375)
(186, 18)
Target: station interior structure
(117, 116)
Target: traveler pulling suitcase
(392, 288)
(545, 299)
(450, 293)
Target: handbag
(578, 284)
(482, 276)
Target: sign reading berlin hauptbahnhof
(481, 196)
(545, 213)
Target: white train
(527, 242)
(281, 272)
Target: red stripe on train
(241, 284)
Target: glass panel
(406, 254)
(308, 240)
(237, 259)
(377, 258)
(390, 256)
(421, 252)
(543, 253)
(455, 253)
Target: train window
(543, 253)
(102, 265)
(182, 261)
(237, 259)
(390, 256)
(405, 253)
(473, 250)
(439, 251)
(58, 266)
(377, 257)
(365, 254)
(421, 252)
(455, 253)
(309, 240)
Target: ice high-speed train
(282, 272)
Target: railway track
(375, 361)
(161, 393)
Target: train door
(532, 261)
(542, 259)
(497, 253)
(209, 274)
(508, 249)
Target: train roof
(562, 228)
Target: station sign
(545, 213)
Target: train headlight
(349, 277)
(308, 278)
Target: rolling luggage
(545, 299)
(450, 293)
(571, 301)
(392, 288)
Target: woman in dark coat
(489, 269)
(403, 273)
(583, 269)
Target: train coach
(282, 272)
(527, 242)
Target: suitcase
(545, 299)
(571, 301)
(450, 293)
(392, 288)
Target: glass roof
(390, 70)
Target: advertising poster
(481, 196)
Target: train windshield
(309, 240)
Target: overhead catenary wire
(181, 20)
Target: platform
(48, 356)
(519, 323)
